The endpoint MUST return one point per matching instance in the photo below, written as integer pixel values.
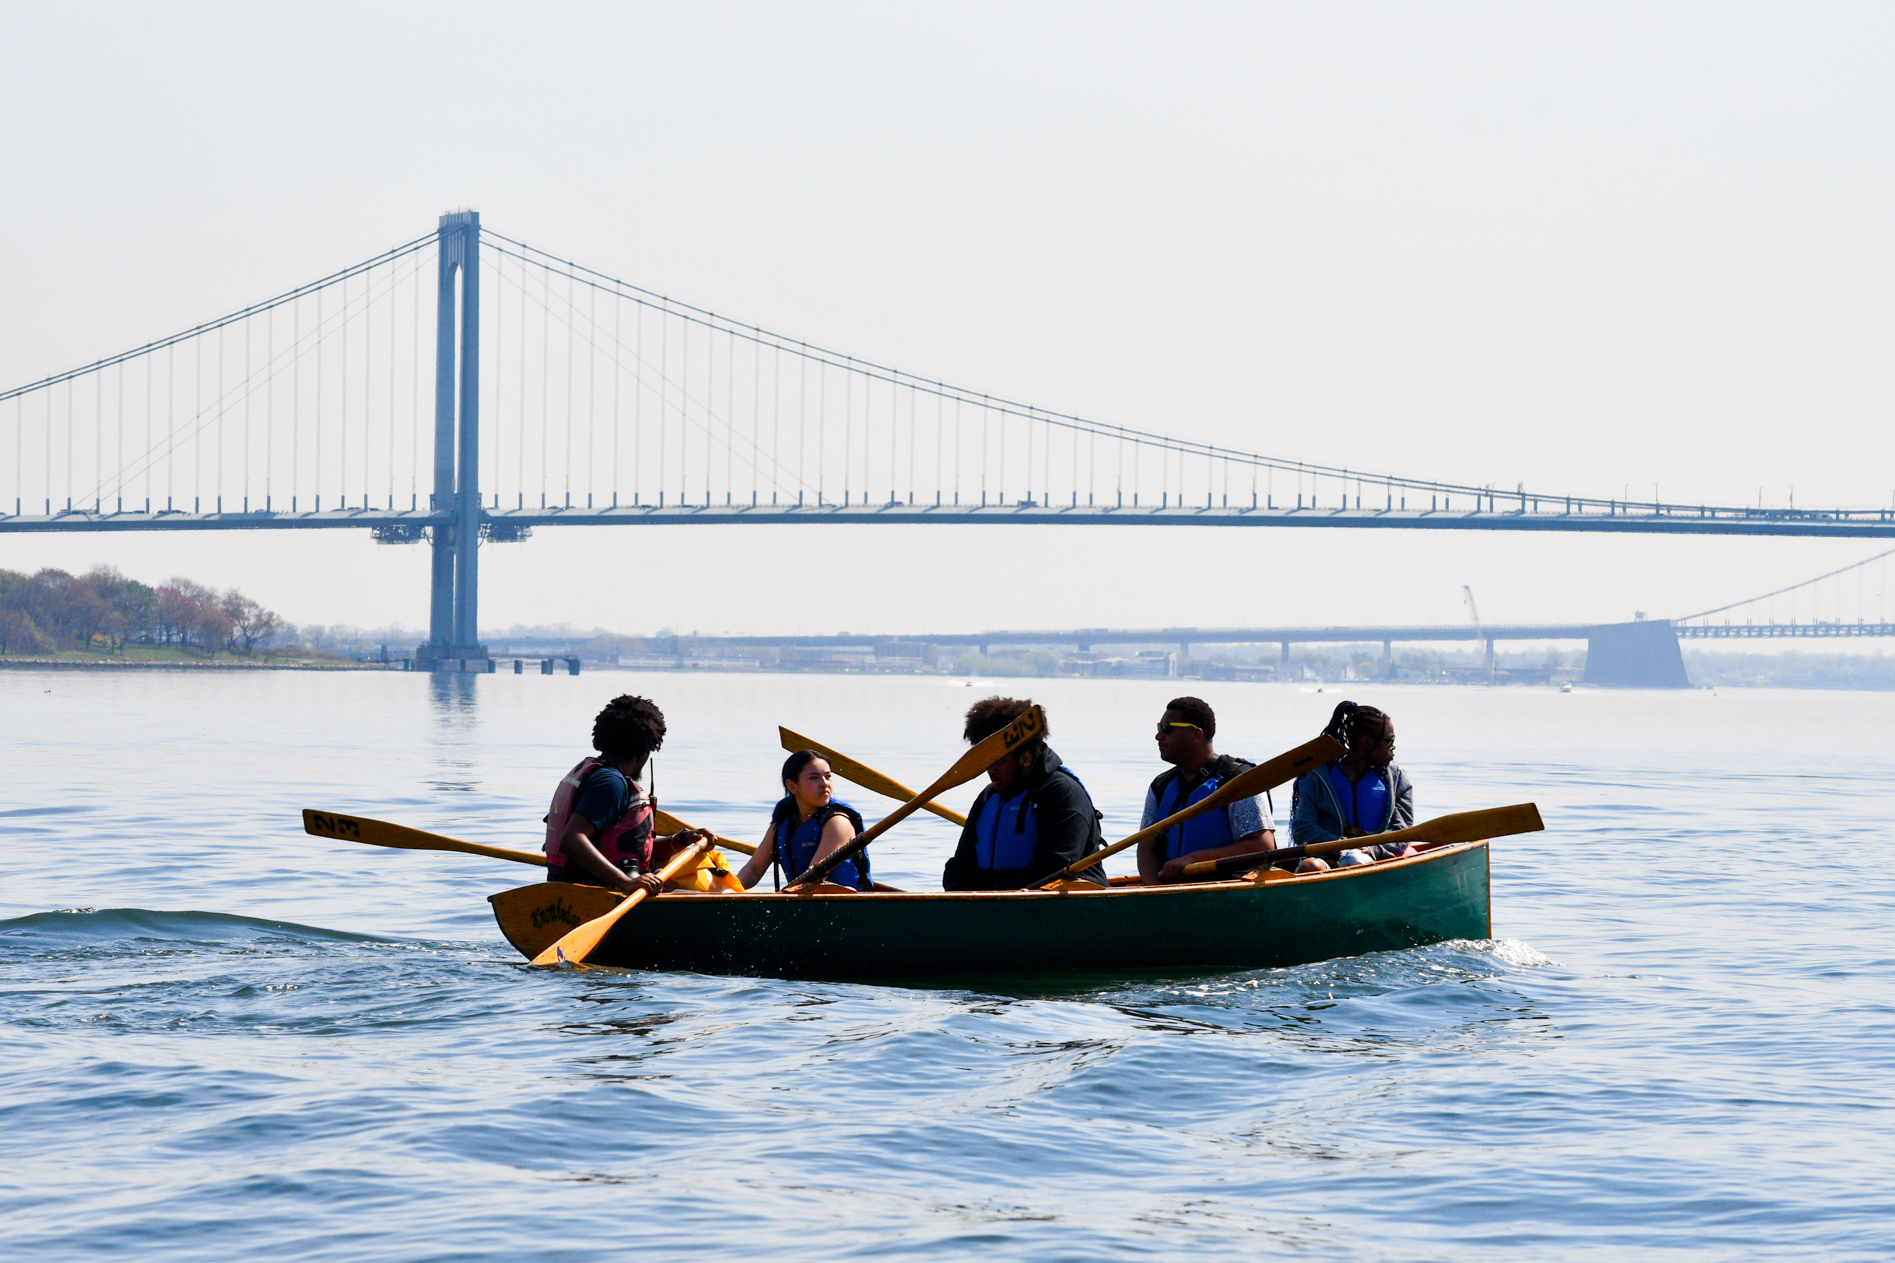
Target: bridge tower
(453, 610)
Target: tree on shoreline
(53, 610)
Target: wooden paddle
(977, 760)
(1264, 776)
(582, 940)
(382, 833)
(669, 824)
(1461, 826)
(864, 775)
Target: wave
(102, 925)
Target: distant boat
(1276, 920)
(1565, 688)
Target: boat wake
(93, 927)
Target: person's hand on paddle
(663, 848)
(1173, 871)
(647, 882)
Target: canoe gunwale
(1090, 890)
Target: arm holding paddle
(1461, 826)
(578, 846)
(1172, 870)
(1264, 776)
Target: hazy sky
(1578, 247)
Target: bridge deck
(1709, 521)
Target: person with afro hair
(600, 830)
(1032, 819)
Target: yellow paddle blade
(862, 774)
(331, 824)
(1460, 826)
(581, 941)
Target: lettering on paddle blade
(556, 911)
(1025, 728)
(333, 826)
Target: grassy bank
(175, 656)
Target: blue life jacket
(1209, 829)
(1006, 831)
(797, 842)
(1365, 803)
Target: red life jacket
(625, 843)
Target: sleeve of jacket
(1068, 828)
(962, 873)
(1309, 823)
(1404, 799)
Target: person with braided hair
(1362, 793)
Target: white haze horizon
(1604, 249)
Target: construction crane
(1487, 644)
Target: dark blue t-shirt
(603, 797)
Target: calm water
(224, 1038)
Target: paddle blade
(330, 824)
(862, 774)
(581, 941)
(1465, 826)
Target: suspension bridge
(465, 387)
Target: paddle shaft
(1259, 779)
(580, 941)
(984, 755)
(668, 823)
(329, 824)
(1461, 826)
(864, 775)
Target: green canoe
(1441, 894)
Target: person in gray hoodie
(1362, 793)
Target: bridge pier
(1635, 655)
(454, 581)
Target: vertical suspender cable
(638, 405)
(664, 393)
(957, 448)
(499, 343)
(618, 323)
(592, 386)
(571, 308)
(220, 415)
(342, 462)
(546, 374)
(730, 412)
(519, 418)
(414, 386)
(756, 412)
(317, 490)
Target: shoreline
(132, 664)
